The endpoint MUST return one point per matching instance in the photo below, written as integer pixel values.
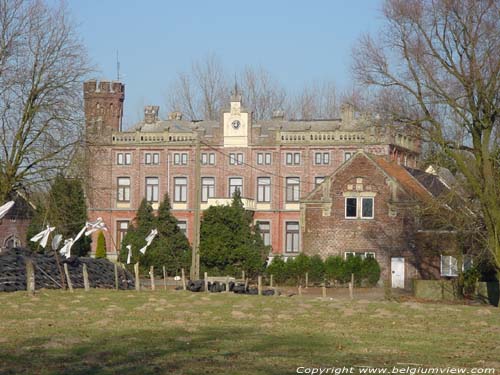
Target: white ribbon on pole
(43, 236)
(95, 226)
(149, 239)
(6, 207)
(129, 256)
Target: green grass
(125, 332)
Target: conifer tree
(100, 251)
(63, 207)
(230, 242)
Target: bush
(316, 269)
(100, 251)
(352, 265)
(277, 268)
(370, 271)
(334, 268)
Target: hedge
(334, 269)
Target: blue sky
(298, 42)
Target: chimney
(278, 115)
(347, 112)
(151, 114)
(176, 115)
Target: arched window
(12, 242)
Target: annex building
(273, 163)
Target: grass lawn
(125, 332)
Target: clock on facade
(235, 124)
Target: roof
(431, 182)
(403, 176)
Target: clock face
(235, 124)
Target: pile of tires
(217, 287)
(48, 273)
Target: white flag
(149, 239)
(43, 236)
(129, 256)
(6, 207)
(66, 249)
(95, 226)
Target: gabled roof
(419, 184)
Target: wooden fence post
(259, 285)
(85, 273)
(323, 290)
(307, 280)
(152, 277)
(271, 281)
(117, 285)
(205, 279)
(137, 277)
(243, 275)
(351, 287)
(30, 276)
(227, 285)
(300, 290)
(183, 279)
(164, 278)
(68, 278)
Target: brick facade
(14, 225)
(392, 229)
(235, 133)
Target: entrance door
(398, 272)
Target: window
(152, 189)
(347, 155)
(121, 231)
(351, 210)
(322, 158)
(207, 188)
(292, 158)
(318, 180)
(367, 208)
(156, 158)
(449, 265)
(123, 193)
(362, 255)
(263, 189)
(181, 159)
(208, 158)
(235, 183)
(292, 237)
(364, 203)
(12, 242)
(180, 189)
(292, 189)
(123, 158)
(264, 158)
(235, 159)
(265, 232)
(182, 224)
(148, 158)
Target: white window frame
(123, 189)
(451, 259)
(156, 158)
(211, 158)
(347, 155)
(267, 234)
(292, 233)
(180, 190)
(120, 158)
(180, 158)
(204, 158)
(292, 189)
(263, 189)
(207, 188)
(260, 158)
(147, 158)
(183, 226)
(239, 158)
(152, 189)
(345, 208)
(268, 158)
(361, 207)
(318, 158)
(316, 178)
(326, 158)
(231, 193)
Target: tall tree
(42, 64)
(230, 242)
(65, 208)
(435, 68)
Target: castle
(273, 163)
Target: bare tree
(200, 93)
(319, 100)
(437, 69)
(263, 95)
(42, 65)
